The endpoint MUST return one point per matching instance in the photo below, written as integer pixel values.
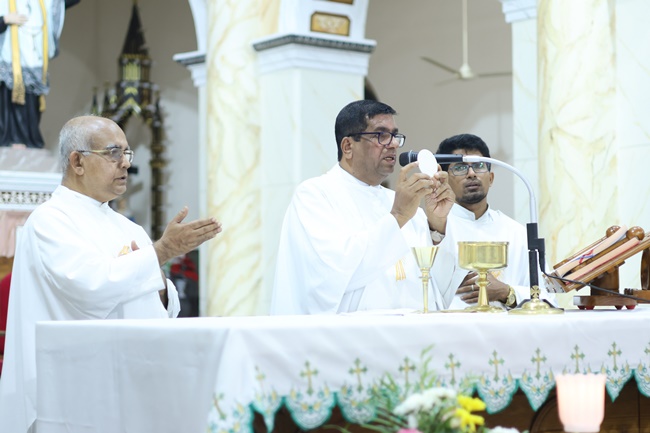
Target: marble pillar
(580, 70)
(233, 154)
(578, 148)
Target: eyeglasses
(463, 169)
(385, 138)
(115, 153)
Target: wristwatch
(511, 300)
(436, 236)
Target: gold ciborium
(424, 256)
(483, 257)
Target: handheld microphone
(406, 158)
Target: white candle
(581, 401)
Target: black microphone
(406, 158)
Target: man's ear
(346, 147)
(76, 163)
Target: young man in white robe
(472, 219)
(78, 259)
(346, 240)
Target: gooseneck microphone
(406, 158)
(535, 243)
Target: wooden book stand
(598, 264)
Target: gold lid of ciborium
(482, 256)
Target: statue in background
(29, 38)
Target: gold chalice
(483, 257)
(424, 256)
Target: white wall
(429, 112)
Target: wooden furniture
(644, 292)
(600, 267)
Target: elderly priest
(78, 259)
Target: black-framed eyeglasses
(385, 138)
(115, 153)
(463, 169)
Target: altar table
(213, 374)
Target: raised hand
(438, 204)
(409, 193)
(180, 238)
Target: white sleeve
(173, 303)
(91, 282)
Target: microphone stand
(536, 247)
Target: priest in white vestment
(78, 259)
(472, 219)
(346, 240)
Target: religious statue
(29, 37)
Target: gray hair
(73, 136)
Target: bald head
(78, 134)
(89, 164)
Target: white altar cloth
(186, 374)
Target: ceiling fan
(465, 71)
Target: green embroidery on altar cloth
(497, 389)
(537, 384)
(642, 374)
(310, 400)
(267, 402)
(617, 375)
(355, 399)
(240, 420)
(312, 408)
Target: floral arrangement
(438, 410)
(426, 407)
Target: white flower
(414, 403)
(436, 396)
(503, 430)
(425, 401)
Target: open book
(600, 257)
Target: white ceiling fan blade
(440, 65)
(494, 74)
(449, 81)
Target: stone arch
(200, 15)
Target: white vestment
(493, 226)
(341, 250)
(73, 261)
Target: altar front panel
(216, 373)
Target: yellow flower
(471, 404)
(468, 422)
